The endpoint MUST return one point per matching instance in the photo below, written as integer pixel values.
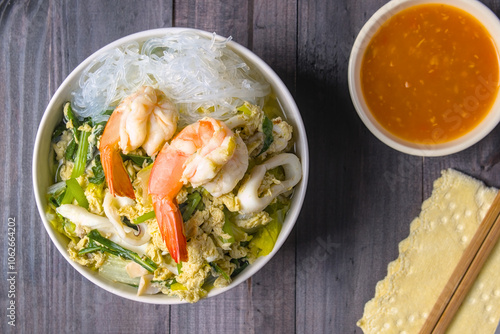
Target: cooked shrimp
(195, 155)
(146, 118)
(232, 172)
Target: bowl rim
(477, 10)
(297, 201)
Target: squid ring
(248, 192)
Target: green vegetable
(179, 267)
(109, 246)
(137, 159)
(263, 241)
(108, 112)
(267, 128)
(74, 191)
(69, 116)
(56, 200)
(56, 188)
(278, 173)
(70, 150)
(241, 264)
(244, 108)
(97, 130)
(236, 233)
(65, 227)
(127, 222)
(98, 177)
(166, 283)
(81, 155)
(92, 246)
(191, 205)
(58, 131)
(144, 217)
(57, 176)
(220, 271)
(177, 286)
(278, 210)
(114, 269)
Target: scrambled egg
(62, 144)
(282, 134)
(92, 260)
(95, 195)
(252, 221)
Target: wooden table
(361, 198)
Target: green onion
(67, 198)
(74, 191)
(144, 217)
(91, 247)
(241, 264)
(69, 116)
(220, 271)
(81, 155)
(115, 249)
(70, 150)
(193, 200)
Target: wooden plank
(41, 43)
(224, 18)
(274, 37)
(273, 288)
(362, 195)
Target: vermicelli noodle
(197, 73)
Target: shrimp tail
(117, 177)
(171, 227)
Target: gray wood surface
(361, 199)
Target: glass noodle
(197, 73)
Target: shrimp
(195, 155)
(232, 172)
(146, 118)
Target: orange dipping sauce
(430, 74)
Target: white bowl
(483, 14)
(53, 115)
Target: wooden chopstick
(465, 272)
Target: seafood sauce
(430, 74)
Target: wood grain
(361, 199)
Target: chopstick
(465, 272)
